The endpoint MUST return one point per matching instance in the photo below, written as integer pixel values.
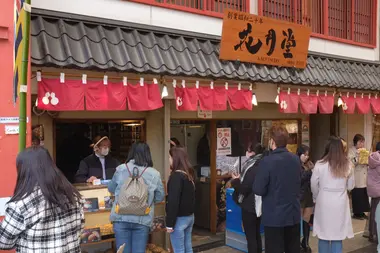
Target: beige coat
(360, 170)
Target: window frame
(203, 11)
(325, 29)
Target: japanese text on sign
(262, 40)
(223, 136)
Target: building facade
(177, 40)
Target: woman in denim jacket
(133, 230)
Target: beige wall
(351, 124)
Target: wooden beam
(213, 206)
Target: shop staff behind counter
(99, 165)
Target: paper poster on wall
(11, 120)
(204, 114)
(305, 133)
(223, 138)
(11, 129)
(3, 202)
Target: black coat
(245, 187)
(91, 166)
(278, 181)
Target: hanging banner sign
(262, 40)
(223, 138)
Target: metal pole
(24, 79)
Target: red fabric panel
(239, 99)
(363, 104)
(186, 99)
(56, 96)
(348, 104)
(288, 102)
(308, 103)
(212, 99)
(326, 104)
(110, 97)
(375, 105)
(144, 98)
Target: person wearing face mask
(99, 165)
(360, 200)
(247, 200)
(307, 203)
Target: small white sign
(223, 137)
(11, 120)
(11, 129)
(3, 202)
(204, 114)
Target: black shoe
(357, 217)
(306, 235)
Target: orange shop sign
(262, 40)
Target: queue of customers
(275, 189)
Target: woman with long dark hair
(45, 213)
(332, 178)
(307, 204)
(244, 197)
(180, 202)
(133, 230)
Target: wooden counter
(88, 186)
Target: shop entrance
(215, 158)
(73, 139)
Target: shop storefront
(97, 61)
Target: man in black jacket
(278, 182)
(99, 165)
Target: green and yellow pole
(24, 79)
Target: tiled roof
(77, 42)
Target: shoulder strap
(131, 175)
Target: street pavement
(358, 244)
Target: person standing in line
(180, 202)
(133, 230)
(246, 199)
(45, 213)
(278, 181)
(307, 203)
(332, 178)
(373, 185)
(360, 200)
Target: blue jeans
(133, 235)
(330, 246)
(377, 219)
(181, 236)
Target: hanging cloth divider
(212, 98)
(59, 94)
(290, 101)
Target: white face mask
(104, 151)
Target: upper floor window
(342, 20)
(204, 7)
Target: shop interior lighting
(164, 92)
(254, 99)
(132, 124)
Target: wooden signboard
(262, 40)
